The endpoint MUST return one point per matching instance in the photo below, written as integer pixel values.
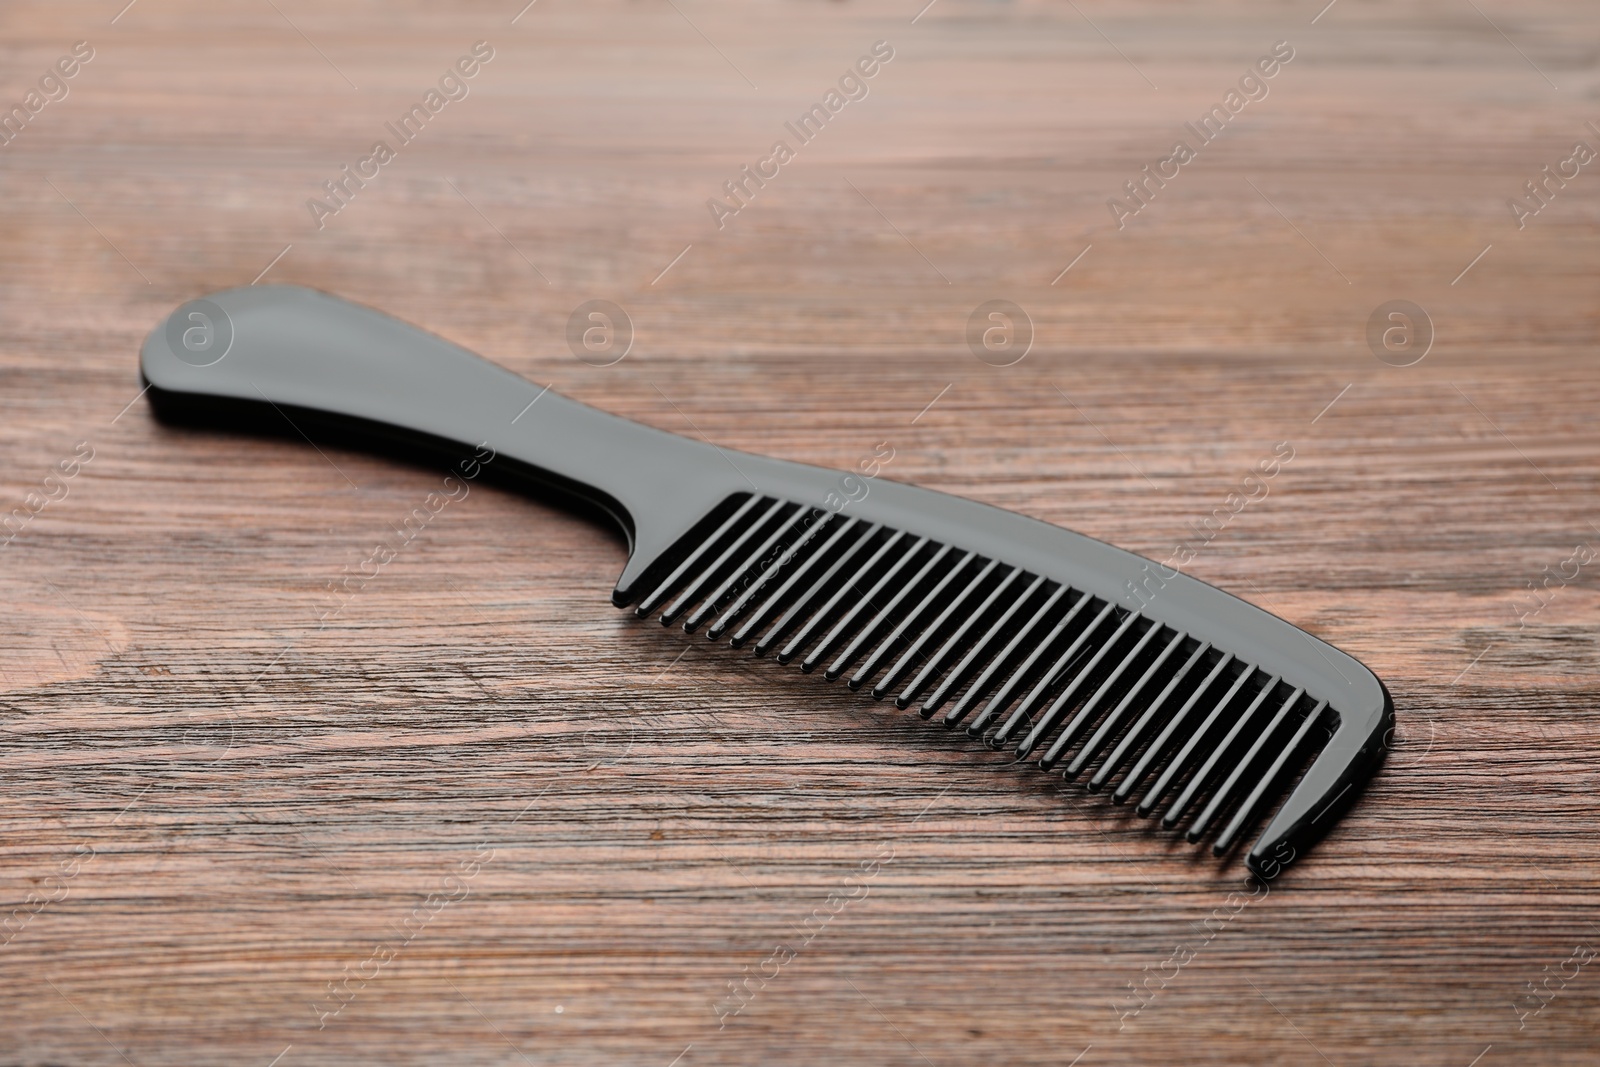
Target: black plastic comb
(1139, 681)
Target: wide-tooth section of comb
(1003, 668)
(950, 617)
(965, 618)
(904, 591)
(911, 618)
(1111, 692)
(1108, 727)
(980, 651)
(818, 522)
(722, 564)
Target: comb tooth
(664, 590)
(976, 691)
(847, 621)
(935, 628)
(1086, 714)
(996, 632)
(1002, 697)
(827, 610)
(1109, 726)
(840, 567)
(1132, 779)
(909, 619)
(1229, 784)
(1247, 810)
(1198, 780)
(729, 617)
(695, 588)
(1175, 766)
(746, 569)
(906, 589)
(1024, 711)
(777, 600)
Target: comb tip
(1330, 785)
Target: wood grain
(221, 808)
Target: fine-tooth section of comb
(1252, 803)
(1200, 776)
(1174, 727)
(649, 604)
(1109, 668)
(859, 598)
(1080, 663)
(1176, 765)
(1069, 674)
(1081, 644)
(1149, 719)
(742, 575)
(1223, 792)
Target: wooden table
(483, 818)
